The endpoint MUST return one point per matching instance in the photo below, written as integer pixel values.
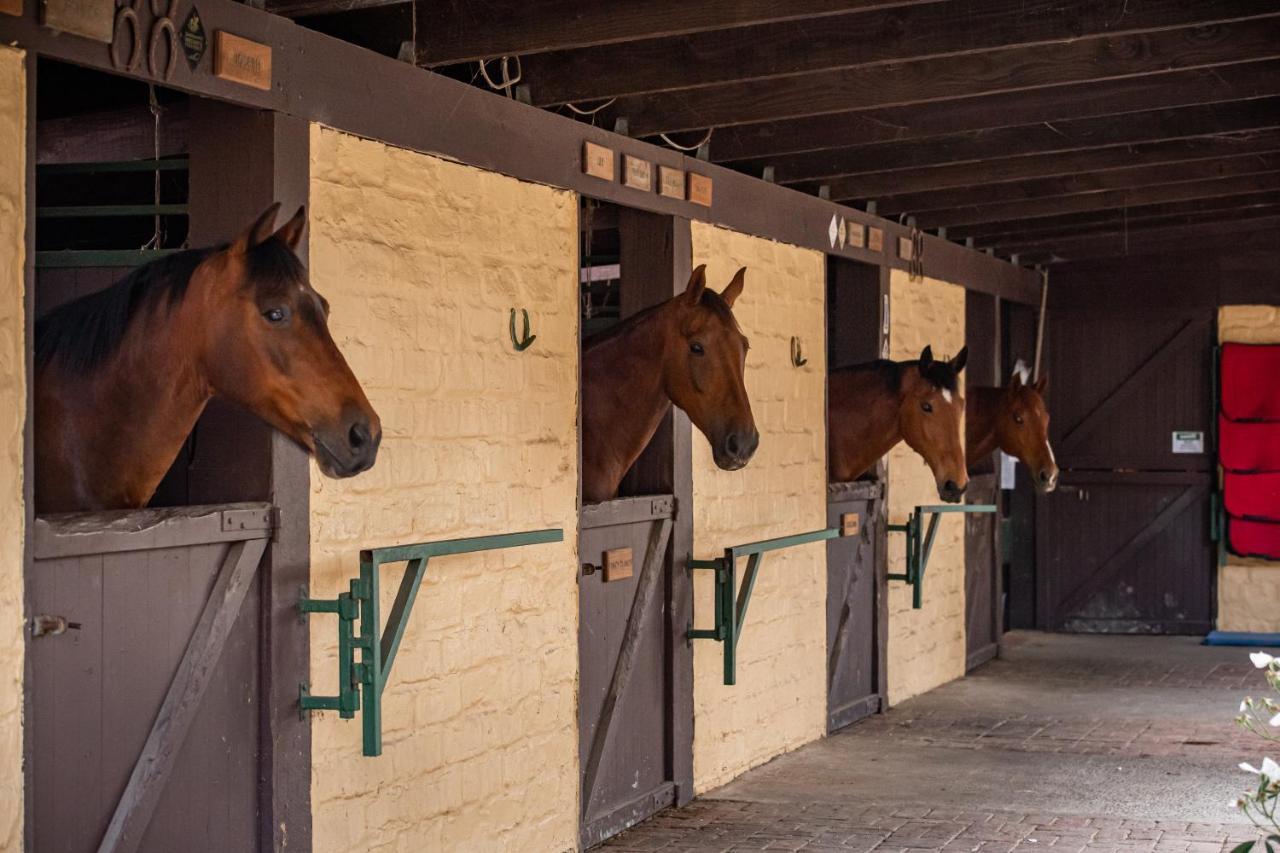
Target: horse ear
(926, 358)
(260, 231)
(958, 363)
(697, 284)
(1042, 384)
(731, 293)
(1015, 381)
(291, 232)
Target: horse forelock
(941, 375)
(273, 267)
(83, 333)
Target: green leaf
(1243, 847)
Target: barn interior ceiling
(1052, 130)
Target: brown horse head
(931, 419)
(1022, 429)
(273, 353)
(122, 375)
(703, 366)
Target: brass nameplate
(857, 236)
(241, 60)
(637, 173)
(875, 239)
(597, 161)
(700, 189)
(617, 564)
(849, 523)
(906, 249)
(93, 19)
(671, 182)
(10, 7)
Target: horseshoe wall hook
(523, 342)
(797, 357)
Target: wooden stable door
(146, 697)
(624, 719)
(853, 623)
(1123, 544)
(983, 609)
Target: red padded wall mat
(1254, 538)
(1251, 382)
(1254, 496)
(1248, 445)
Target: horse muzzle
(348, 450)
(1047, 480)
(735, 450)
(951, 493)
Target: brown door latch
(46, 625)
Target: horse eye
(276, 316)
(927, 406)
(1017, 419)
(696, 348)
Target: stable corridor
(1066, 742)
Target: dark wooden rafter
(767, 140)
(1081, 182)
(1133, 242)
(1011, 234)
(943, 78)
(1107, 200)
(1002, 143)
(854, 40)
(908, 180)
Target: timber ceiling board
(1010, 122)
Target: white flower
(1274, 721)
(1261, 659)
(1244, 705)
(1269, 770)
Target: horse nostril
(732, 445)
(1044, 476)
(950, 486)
(358, 435)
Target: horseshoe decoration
(127, 18)
(163, 30)
(797, 357)
(526, 340)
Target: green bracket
(731, 606)
(361, 684)
(920, 542)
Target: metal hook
(525, 341)
(797, 358)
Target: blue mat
(1241, 638)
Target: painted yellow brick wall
(422, 259)
(780, 699)
(1249, 590)
(13, 405)
(926, 646)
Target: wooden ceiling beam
(1107, 200)
(462, 30)
(768, 140)
(1013, 233)
(858, 188)
(1079, 182)
(1005, 142)
(1142, 241)
(944, 78)
(857, 40)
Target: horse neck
(624, 401)
(981, 413)
(867, 424)
(132, 415)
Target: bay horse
(1015, 420)
(873, 406)
(688, 351)
(122, 375)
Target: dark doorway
(983, 593)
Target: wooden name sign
(849, 524)
(597, 161)
(93, 19)
(241, 61)
(700, 189)
(10, 7)
(857, 235)
(671, 182)
(875, 239)
(906, 249)
(637, 173)
(617, 564)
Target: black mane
(83, 333)
(939, 372)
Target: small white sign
(1188, 441)
(1008, 471)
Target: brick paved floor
(1066, 743)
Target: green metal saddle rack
(731, 607)
(920, 542)
(369, 677)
